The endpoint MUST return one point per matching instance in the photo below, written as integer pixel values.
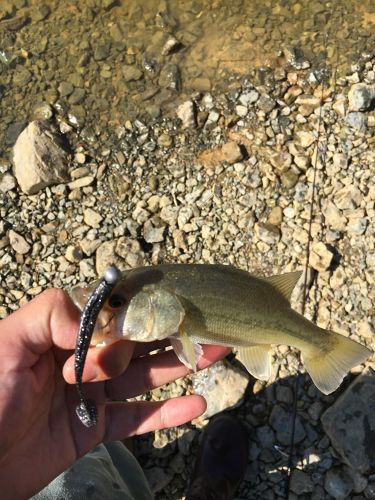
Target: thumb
(51, 319)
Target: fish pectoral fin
(285, 283)
(327, 367)
(257, 360)
(187, 351)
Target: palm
(40, 434)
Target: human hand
(40, 434)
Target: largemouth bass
(194, 304)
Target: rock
(153, 234)
(73, 254)
(165, 140)
(300, 482)
(338, 484)
(321, 257)
(350, 423)
(281, 422)
(186, 113)
(105, 256)
(39, 160)
(334, 217)
(157, 478)
(92, 218)
(249, 97)
(306, 138)
(357, 120)
(131, 73)
(357, 226)
(275, 217)
(266, 103)
(289, 179)
(170, 46)
(18, 242)
(281, 161)
(348, 197)
(7, 183)
(241, 110)
(81, 182)
(361, 97)
(222, 385)
(267, 233)
(229, 152)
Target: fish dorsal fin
(187, 351)
(285, 283)
(257, 359)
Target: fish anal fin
(187, 351)
(328, 367)
(285, 283)
(257, 360)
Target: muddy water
(100, 62)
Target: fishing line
(306, 270)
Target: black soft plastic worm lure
(86, 410)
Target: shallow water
(102, 62)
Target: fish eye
(116, 301)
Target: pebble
(231, 152)
(338, 484)
(301, 482)
(92, 218)
(306, 138)
(357, 120)
(186, 113)
(153, 234)
(87, 180)
(18, 242)
(7, 183)
(361, 97)
(275, 217)
(321, 257)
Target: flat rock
(92, 218)
(350, 423)
(334, 217)
(222, 385)
(39, 159)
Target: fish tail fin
(327, 366)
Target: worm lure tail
(86, 410)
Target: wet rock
(338, 484)
(222, 385)
(131, 73)
(18, 242)
(170, 46)
(39, 160)
(186, 113)
(361, 97)
(321, 257)
(350, 423)
(281, 422)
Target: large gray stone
(350, 423)
(39, 158)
